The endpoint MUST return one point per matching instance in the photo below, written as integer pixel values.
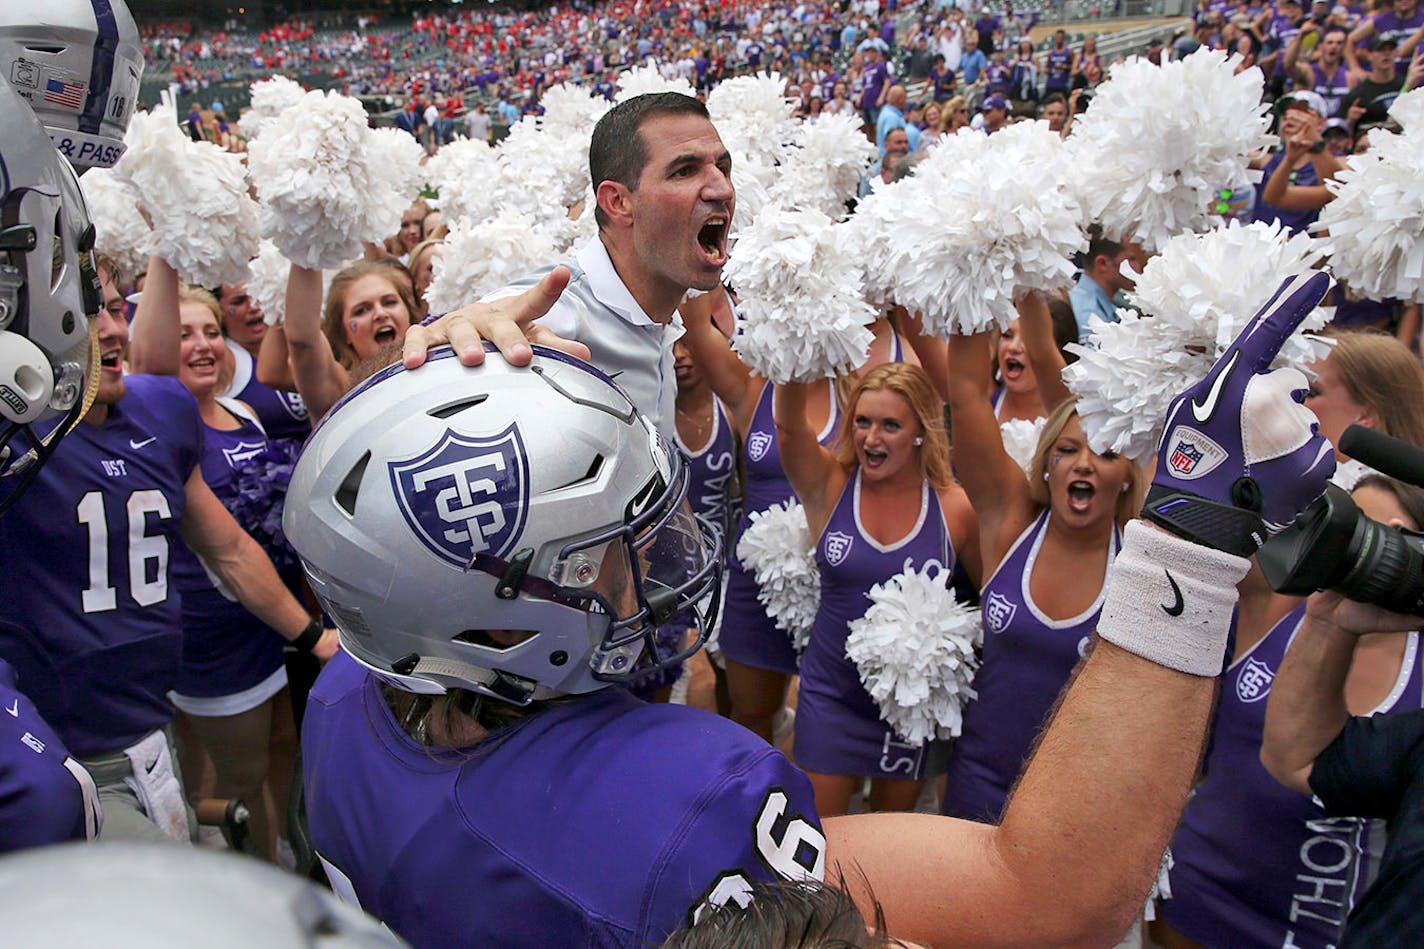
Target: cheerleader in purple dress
(1047, 541)
(883, 500)
(760, 658)
(1257, 864)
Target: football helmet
(518, 532)
(78, 63)
(157, 896)
(48, 292)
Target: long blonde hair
(909, 382)
(1129, 502)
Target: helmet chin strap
(503, 687)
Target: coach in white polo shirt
(662, 179)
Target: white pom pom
(1020, 436)
(641, 80)
(1199, 292)
(1160, 142)
(803, 314)
(1376, 221)
(1009, 233)
(824, 167)
(914, 649)
(119, 230)
(753, 117)
(327, 182)
(1408, 111)
(270, 98)
(479, 258)
(461, 172)
(267, 283)
(778, 550)
(204, 222)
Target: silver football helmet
(518, 532)
(78, 63)
(160, 895)
(48, 292)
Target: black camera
(1333, 546)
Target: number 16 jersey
(90, 623)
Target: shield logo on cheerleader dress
(1254, 682)
(999, 611)
(838, 545)
(465, 495)
(757, 445)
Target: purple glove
(1240, 457)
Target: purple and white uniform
(600, 821)
(748, 635)
(283, 414)
(1026, 661)
(91, 625)
(838, 725)
(712, 473)
(232, 661)
(1256, 864)
(43, 791)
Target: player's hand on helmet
(1240, 455)
(508, 323)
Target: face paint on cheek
(352, 324)
(1053, 461)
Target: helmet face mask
(521, 533)
(48, 293)
(78, 64)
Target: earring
(1126, 488)
(919, 441)
(1045, 476)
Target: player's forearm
(246, 570)
(154, 339)
(1306, 709)
(1036, 328)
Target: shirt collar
(607, 286)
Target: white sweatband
(1170, 601)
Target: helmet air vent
(351, 486)
(455, 408)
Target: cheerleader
(883, 501)
(1047, 542)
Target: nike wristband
(1170, 601)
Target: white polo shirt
(598, 310)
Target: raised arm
(154, 336)
(1280, 192)
(930, 350)
(1294, 68)
(274, 369)
(995, 484)
(1036, 331)
(814, 473)
(319, 378)
(728, 376)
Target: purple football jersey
(1256, 864)
(601, 821)
(225, 648)
(1026, 662)
(91, 622)
(838, 725)
(40, 800)
(748, 635)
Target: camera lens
(1384, 565)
